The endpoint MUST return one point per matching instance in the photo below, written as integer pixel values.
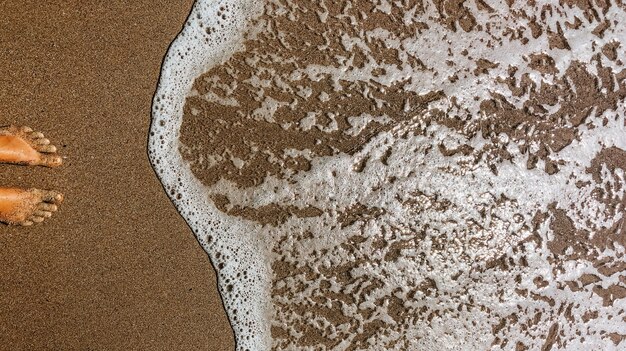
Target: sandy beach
(387, 176)
(116, 268)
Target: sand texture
(116, 268)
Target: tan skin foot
(27, 206)
(23, 146)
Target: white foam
(192, 53)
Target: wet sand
(116, 268)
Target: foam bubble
(212, 32)
(378, 175)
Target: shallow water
(403, 176)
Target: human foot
(27, 206)
(22, 145)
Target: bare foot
(27, 206)
(22, 145)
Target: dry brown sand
(116, 268)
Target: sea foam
(403, 175)
(213, 31)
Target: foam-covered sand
(403, 175)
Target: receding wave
(403, 175)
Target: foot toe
(35, 219)
(42, 141)
(44, 214)
(47, 207)
(36, 135)
(26, 223)
(52, 197)
(47, 148)
(26, 129)
(51, 160)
